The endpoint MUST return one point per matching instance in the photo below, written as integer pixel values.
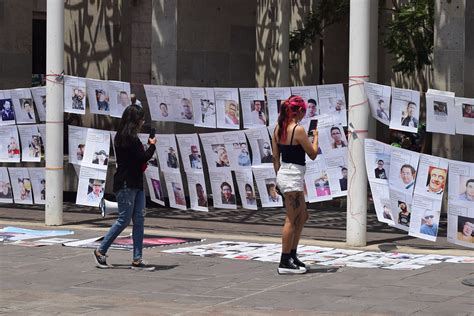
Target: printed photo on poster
(6, 192)
(7, 112)
(465, 231)
(38, 181)
(21, 185)
(74, 95)
(204, 107)
(246, 188)
(405, 110)
(39, 97)
(9, 144)
(23, 104)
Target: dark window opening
(39, 46)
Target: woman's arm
(301, 138)
(275, 151)
(141, 155)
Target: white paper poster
(275, 96)
(42, 133)
(246, 188)
(91, 187)
(216, 150)
(405, 110)
(39, 97)
(461, 203)
(265, 177)
(336, 163)
(317, 181)
(98, 96)
(403, 169)
(260, 143)
(24, 106)
(401, 207)
(432, 177)
(175, 188)
(9, 144)
(77, 143)
(96, 153)
(75, 95)
(155, 186)
(21, 185)
(159, 103)
(381, 198)
(253, 107)
(204, 107)
(237, 149)
(119, 97)
(6, 192)
(379, 101)
(331, 138)
(425, 213)
(180, 98)
(333, 102)
(38, 181)
(440, 114)
(227, 107)
(7, 111)
(190, 152)
(377, 160)
(310, 96)
(30, 143)
(197, 191)
(223, 191)
(167, 151)
(464, 116)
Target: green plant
(410, 35)
(328, 12)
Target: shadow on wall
(92, 47)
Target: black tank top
(292, 153)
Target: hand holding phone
(152, 136)
(313, 125)
(152, 132)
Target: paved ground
(63, 280)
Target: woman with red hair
(290, 140)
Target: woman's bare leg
(293, 204)
(300, 221)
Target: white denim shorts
(290, 177)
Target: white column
(359, 71)
(54, 113)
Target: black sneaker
(299, 263)
(289, 267)
(142, 265)
(100, 260)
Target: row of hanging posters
(221, 107)
(400, 110)
(408, 187)
(244, 155)
(22, 185)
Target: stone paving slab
(64, 280)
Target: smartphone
(313, 124)
(152, 133)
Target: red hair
(288, 110)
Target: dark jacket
(131, 160)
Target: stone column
(449, 65)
